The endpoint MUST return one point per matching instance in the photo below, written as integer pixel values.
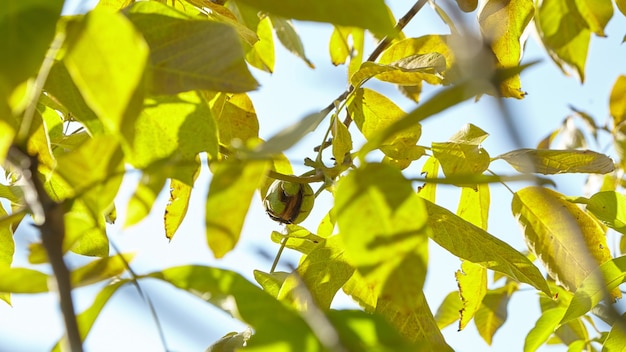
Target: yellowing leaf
(141, 202)
(373, 112)
(7, 245)
(472, 281)
(493, 312)
(230, 194)
(235, 117)
(429, 170)
(373, 14)
(271, 282)
(564, 33)
(621, 5)
(289, 38)
(463, 155)
(339, 46)
(543, 329)
(595, 288)
(502, 22)
(549, 162)
(609, 207)
(596, 13)
(342, 141)
(569, 242)
(177, 206)
(448, 311)
(436, 46)
(106, 58)
(617, 102)
(324, 271)
(23, 280)
(190, 54)
(411, 70)
(615, 340)
(472, 243)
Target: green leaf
(373, 14)
(142, 201)
(596, 13)
(85, 233)
(595, 287)
(190, 54)
(287, 35)
(609, 207)
(342, 141)
(550, 162)
(615, 340)
(478, 246)
(230, 193)
(379, 197)
(230, 342)
(503, 22)
(373, 112)
(7, 245)
(291, 135)
(23, 280)
(88, 317)
(324, 271)
(171, 127)
(543, 329)
(429, 170)
(100, 269)
(557, 232)
(235, 117)
(360, 331)
(448, 311)
(262, 54)
(617, 102)
(24, 45)
(493, 312)
(270, 282)
(63, 89)
(232, 293)
(565, 34)
(106, 58)
(298, 238)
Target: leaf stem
(283, 243)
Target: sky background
(287, 95)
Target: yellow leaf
(262, 54)
(234, 115)
(550, 162)
(342, 140)
(339, 46)
(472, 281)
(287, 35)
(502, 23)
(493, 312)
(177, 206)
(568, 241)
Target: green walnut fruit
(289, 202)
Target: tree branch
(49, 219)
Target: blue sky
(287, 95)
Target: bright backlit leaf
(177, 206)
(324, 271)
(549, 161)
(558, 232)
(596, 13)
(262, 54)
(373, 14)
(463, 155)
(596, 287)
(23, 280)
(232, 293)
(230, 194)
(448, 311)
(234, 115)
(478, 246)
(106, 58)
(409, 71)
(615, 340)
(270, 282)
(188, 53)
(142, 201)
(564, 33)
(373, 112)
(342, 140)
(543, 329)
(502, 22)
(609, 207)
(7, 245)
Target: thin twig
(52, 227)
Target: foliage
(158, 88)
